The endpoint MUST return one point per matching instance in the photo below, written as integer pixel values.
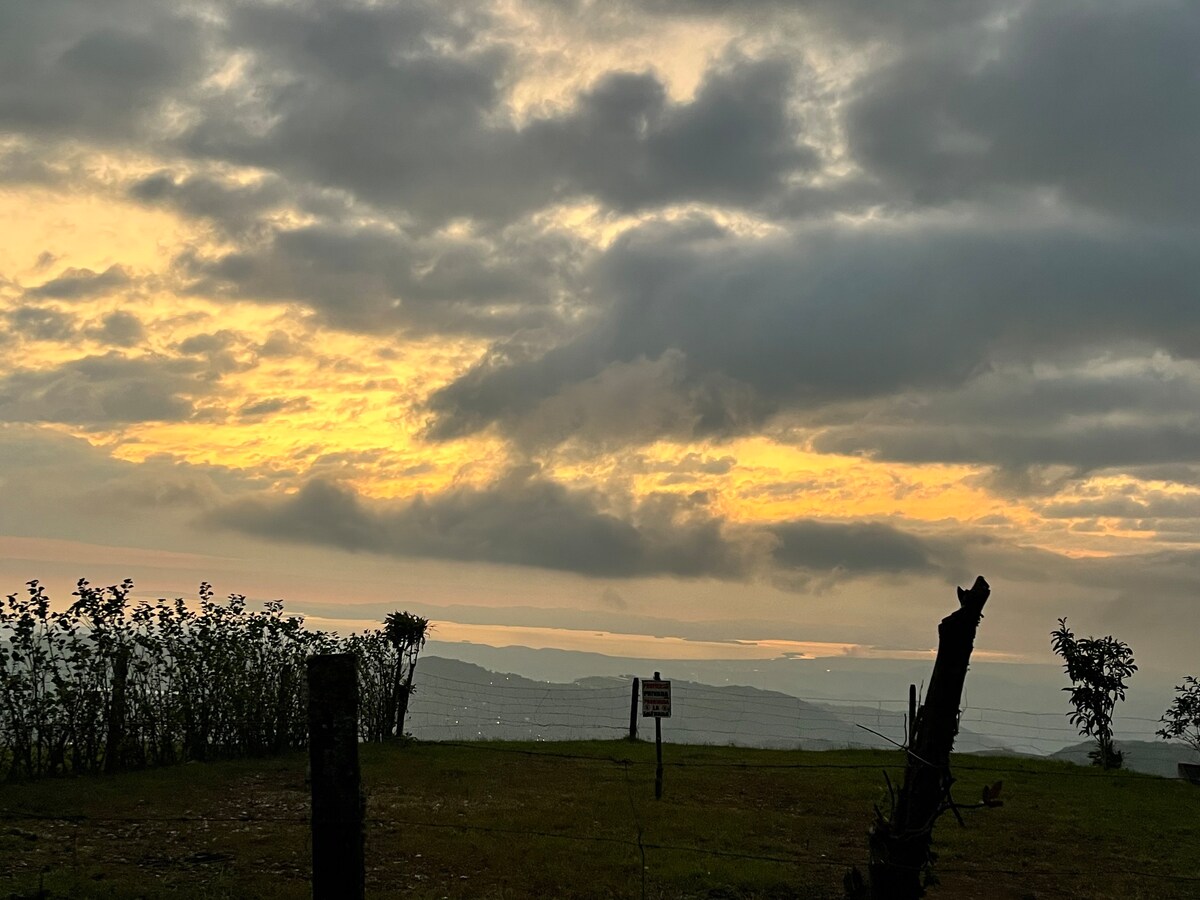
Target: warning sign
(656, 699)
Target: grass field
(493, 821)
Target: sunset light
(723, 312)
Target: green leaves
(1182, 718)
(1098, 669)
(203, 679)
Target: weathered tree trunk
(391, 703)
(405, 693)
(899, 846)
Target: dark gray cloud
(624, 403)
(1151, 505)
(1043, 426)
(860, 547)
(27, 162)
(269, 406)
(736, 329)
(855, 20)
(862, 16)
(1092, 100)
(521, 520)
(244, 210)
(376, 279)
(405, 105)
(120, 329)
(381, 113)
(82, 284)
(355, 40)
(279, 344)
(234, 207)
(105, 390)
(526, 520)
(1142, 597)
(223, 351)
(1184, 473)
(406, 109)
(209, 343)
(627, 145)
(94, 70)
(41, 323)
(1083, 448)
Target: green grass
(493, 821)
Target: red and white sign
(656, 699)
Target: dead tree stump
(899, 844)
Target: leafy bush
(1097, 668)
(387, 661)
(107, 685)
(1182, 718)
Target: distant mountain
(1034, 688)
(456, 700)
(1153, 758)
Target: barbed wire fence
(444, 708)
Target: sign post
(656, 704)
(633, 709)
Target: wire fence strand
(447, 708)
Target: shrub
(105, 685)
(1098, 668)
(1182, 718)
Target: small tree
(1182, 718)
(387, 661)
(1098, 668)
(406, 631)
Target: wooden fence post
(899, 845)
(337, 802)
(658, 769)
(633, 709)
(282, 735)
(114, 744)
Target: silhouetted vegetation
(387, 661)
(108, 684)
(1182, 718)
(1098, 668)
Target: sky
(642, 327)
